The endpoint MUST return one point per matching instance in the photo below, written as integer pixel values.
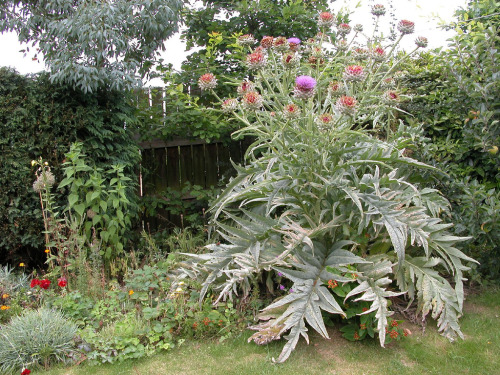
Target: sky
(427, 15)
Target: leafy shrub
(12, 287)
(41, 336)
(150, 313)
(42, 119)
(455, 95)
(330, 193)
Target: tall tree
(92, 44)
(289, 18)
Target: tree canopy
(92, 44)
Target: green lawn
(418, 354)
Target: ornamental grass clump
(328, 196)
(37, 337)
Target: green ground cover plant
(421, 353)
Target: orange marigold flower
(4, 307)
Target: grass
(420, 353)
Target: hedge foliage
(38, 118)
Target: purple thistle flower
(305, 83)
(281, 287)
(294, 40)
(280, 274)
(291, 290)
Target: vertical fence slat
(173, 173)
(198, 165)
(186, 165)
(211, 164)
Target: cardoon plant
(329, 192)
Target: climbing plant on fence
(38, 118)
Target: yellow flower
(181, 283)
(47, 251)
(4, 307)
(178, 290)
(130, 292)
(21, 265)
(5, 296)
(33, 162)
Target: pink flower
(252, 100)
(326, 19)
(346, 105)
(256, 60)
(229, 105)
(304, 87)
(290, 111)
(305, 83)
(378, 10)
(207, 81)
(406, 27)
(280, 44)
(378, 54)
(245, 86)
(421, 42)
(344, 29)
(354, 73)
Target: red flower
(44, 284)
(26, 372)
(62, 282)
(34, 283)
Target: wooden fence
(168, 165)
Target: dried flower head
(324, 120)
(267, 42)
(391, 97)
(335, 88)
(229, 105)
(346, 105)
(342, 45)
(291, 111)
(326, 19)
(378, 10)
(44, 180)
(388, 83)
(256, 60)
(252, 100)
(207, 81)
(246, 40)
(360, 53)
(290, 60)
(354, 73)
(304, 87)
(280, 44)
(343, 29)
(358, 28)
(378, 54)
(406, 27)
(316, 61)
(421, 42)
(245, 86)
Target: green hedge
(38, 118)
